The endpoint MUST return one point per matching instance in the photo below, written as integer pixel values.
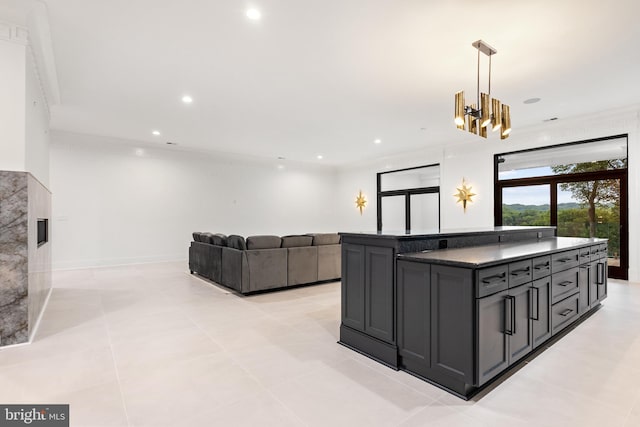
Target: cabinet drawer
(603, 251)
(492, 280)
(541, 267)
(584, 255)
(598, 252)
(519, 273)
(564, 313)
(564, 284)
(564, 260)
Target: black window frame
(621, 272)
(407, 193)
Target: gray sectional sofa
(260, 263)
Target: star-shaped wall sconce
(361, 201)
(464, 195)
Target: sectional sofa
(260, 263)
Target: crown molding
(42, 49)
(14, 33)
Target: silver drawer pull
(541, 266)
(565, 283)
(563, 260)
(565, 313)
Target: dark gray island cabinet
(460, 317)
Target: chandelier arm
(489, 75)
(478, 80)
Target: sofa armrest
(206, 260)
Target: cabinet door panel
(493, 356)
(601, 279)
(379, 298)
(414, 311)
(353, 286)
(593, 284)
(541, 311)
(452, 299)
(520, 342)
(583, 282)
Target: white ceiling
(329, 77)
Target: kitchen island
(458, 308)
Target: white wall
(12, 106)
(36, 146)
(115, 202)
(475, 164)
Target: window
(581, 188)
(409, 199)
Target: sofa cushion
(263, 242)
(206, 238)
(196, 236)
(325, 239)
(218, 239)
(296, 241)
(236, 242)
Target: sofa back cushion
(236, 242)
(206, 238)
(218, 239)
(321, 239)
(296, 241)
(196, 236)
(263, 242)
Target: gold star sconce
(361, 202)
(464, 195)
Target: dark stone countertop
(488, 255)
(437, 233)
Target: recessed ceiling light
(280, 167)
(156, 132)
(139, 152)
(531, 100)
(377, 141)
(319, 156)
(253, 14)
(187, 99)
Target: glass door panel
(425, 212)
(591, 209)
(526, 205)
(393, 213)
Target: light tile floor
(151, 345)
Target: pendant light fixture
(490, 113)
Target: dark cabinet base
(468, 391)
(380, 351)
(463, 318)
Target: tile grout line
(115, 365)
(633, 405)
(247, 372)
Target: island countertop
(443, 233)
(488, 255)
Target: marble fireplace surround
(25, 268)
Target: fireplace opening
(43, 231)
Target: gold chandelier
(476, 118)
